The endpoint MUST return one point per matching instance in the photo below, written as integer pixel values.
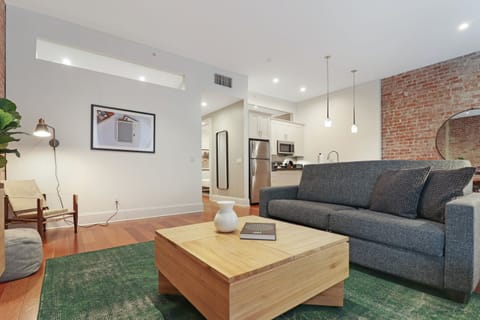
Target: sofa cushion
(309, 213)
(419, 235)
(441, 187)
(398, 191)
(351, 183)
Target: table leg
(333, 296)
(165, 286)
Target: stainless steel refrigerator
(260, 167)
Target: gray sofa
(336, 197)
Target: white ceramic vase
(226, 219)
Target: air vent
(222, 80)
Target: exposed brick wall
(416, 103)
(2, 48)
(2, 63)
(2, 94)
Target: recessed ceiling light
(141, 78)
(204, 104)
(203, 123)
(255, 107)
(66, 61)
(275, 80)
(463, 26)
(303, 89)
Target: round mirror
(459, 137)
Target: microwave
(285, 147)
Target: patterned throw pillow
(398, 191)
(441, 187)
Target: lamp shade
(41, 130)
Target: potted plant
(9, 121)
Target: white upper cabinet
(259, 125)
(298, 138)
(288, 131)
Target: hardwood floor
(20, 299)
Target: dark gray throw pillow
(441, 187)
(398, 191)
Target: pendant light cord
(328, 90)
(353, 73)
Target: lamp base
(54, 143)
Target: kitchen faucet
(333, 151)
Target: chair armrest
(462, 243)
(271, 193)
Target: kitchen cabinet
(286, 177)
(288, 131)
(258, 125)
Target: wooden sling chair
(25, 203)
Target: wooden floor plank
(20, 299)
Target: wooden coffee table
(228, 278)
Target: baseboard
(238, 201)
(129, 214)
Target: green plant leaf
(3, 161)
(7, 105)
(5, 119)
(10, 151)
(7, 139)
(9, 120)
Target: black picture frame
(116, 129)
(221, 159)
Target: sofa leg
(457, 296)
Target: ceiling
(287, 39)
(214, 101)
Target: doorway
(206, 153)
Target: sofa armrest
(271, 193)
(462, 243)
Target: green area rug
(121, 283)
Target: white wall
(167, 181)
(365, 145)
(271, 102)
(231, 119)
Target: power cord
(56, 176)
(61, 200)
(105, 224)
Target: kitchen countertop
(286, 169)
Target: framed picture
(122, 130)
(205, 159)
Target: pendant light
(354, 125)
(328, 121)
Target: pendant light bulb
(328, 121)
(354, 128)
